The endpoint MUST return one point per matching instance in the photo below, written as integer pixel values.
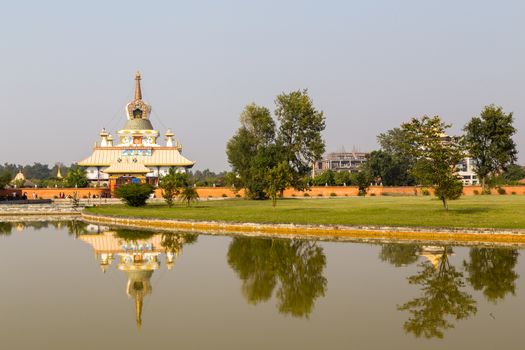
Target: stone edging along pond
(323, 232)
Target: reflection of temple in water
(138, 258)
(433, 254)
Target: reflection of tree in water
(174, 241)
(76, 227)
(295, 266)
(492, 271)
(441, 298)
(6, 228)
(399, 254)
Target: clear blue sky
(68, 68)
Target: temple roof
(125, 167)
(160, 156)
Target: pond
(69, 285)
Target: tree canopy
(488, 139)
(261, 146)
(435, 155)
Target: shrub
(293, 195)
(320, 195)
(135, 195)
(306, 194)
(333, 194)
(238, 195)
(513, 193)
(501, 191)
(188, 194)
(224, 195)
(425, 192)
(372, 194)
(476, 192)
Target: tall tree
(389, 168)
(393, 162)
(299, 134)
(247, 149)
(488, 139)
(436, 156)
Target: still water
(67, 285)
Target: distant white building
(466, 172)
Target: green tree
(299, 134)
(171, 184)
(514, 173)
(399, 254)
(294, 267)
(327, 177)
(5, 179)
(492, 271)
(436, 157)
(247, 150)
(362, 179)
(135, 195)
(442, 299)
(188, 194)
(395, 160)
(389, 168)
(343, 178)
(488, 139)
(278, 179)
(76, 177)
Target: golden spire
(59, 174)
(138, 92)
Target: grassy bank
(474, 211)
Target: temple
(137, 157)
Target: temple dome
(138, 124)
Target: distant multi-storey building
(350, 161)
(340, 161)
(466, 172)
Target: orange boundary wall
(226, 192)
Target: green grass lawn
(473, 211)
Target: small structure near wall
(137, 157)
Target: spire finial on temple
(138, 91)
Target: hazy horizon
(69, 68)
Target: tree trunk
(445, 204)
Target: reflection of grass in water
(470, 211)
